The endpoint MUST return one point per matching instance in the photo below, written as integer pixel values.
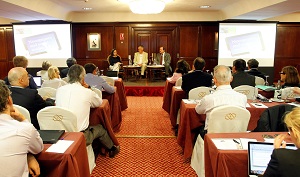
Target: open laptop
(51, 136)
(259, 155)
(38, 81)
(112, 73)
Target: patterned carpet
(148, 147)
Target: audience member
(182, 68)
(70, 62)
(54, 78)
(141, 59)
(224, 95)
(18, 140)
(197, 77)
(21, 61)
(285, 162)
(94, 80)
(253, 69)
(240, 77)
(44, 72)
(79, 99)
(164, 58)
(114, 60)
(28, 98)
(290, 76)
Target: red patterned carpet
(144, 90)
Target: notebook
(38, 80)
(259, 155)
(51, 136)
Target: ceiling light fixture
(204, 6)
(87, 8)
(146, 6)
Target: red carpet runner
(144, 90)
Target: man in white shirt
(18, 137)
(224, 95)
(141, 59)
(79, 99)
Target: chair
(47, 92)
(97, 91)
(110, 81)
(223, 119)
(259, 81)
(178, 82)
(121, 70)
(199, 92)
(23, 111)
(247, 90)
(66, 79)
(58, 118)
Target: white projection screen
(246, 41)
(40, 42)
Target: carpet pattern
(144, 90)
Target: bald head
(18, 76)
(222, 75)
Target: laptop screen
(38, 80)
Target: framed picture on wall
(94, 41)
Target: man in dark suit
(27, 98)
(164, 58)
(240, 77)
(197, 77)
(70, 62)
(253, 69)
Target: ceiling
(178, 10)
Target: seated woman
(285, 162)
(114, 60)
(54, 78)
(290, 76)
(44, 72)
(182, 68)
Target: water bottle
(130, 62)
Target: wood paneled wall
(7, 50)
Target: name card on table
(60, 146)
(190, 101)
(259, 105)
(232, 143)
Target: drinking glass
(267, 83)
(101, 72)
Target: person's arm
(107, 87)
(201, 106)
(32, 84)
(272, 169)
(33, 165)
(184, 85)
(146, 58)
(135, 60)
(168, 59)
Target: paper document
(259, 105)
(169, 79)
(178, 87)
(294, 104)
(60, 147)
(227, 143)
(190, 101)
(244, 142)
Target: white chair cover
(47, 92)
(97, 91)
(199, 92)
(178, 82)
(23, 111)
(259, 81)
(247, 90)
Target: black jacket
(64, 72)
(242, 78)
(195, 79)
(255, 72)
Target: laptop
(259, 155)
(112, 73)
(51, 136)
(38, 81)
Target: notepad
(232, 143)
(259, 105)
(190, 101)
(60, 147)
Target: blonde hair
(292, 121)
(52, 71)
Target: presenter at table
(164, 58)
(141, 59)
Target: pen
(235, 141)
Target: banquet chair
(247, 90)
(223, 119)
(97, 91)
(259, 81)
(47, 92)
(178, 82)
(58, 118)
(23, 111)
(110, 81)
(66, 79)
(199, 92)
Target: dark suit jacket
(167, 59)
(32, 84)
(242, 78)
(255, 72)
(284, 163)
(195, 79)
(64, 72)
(31, 100)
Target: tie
(161, 58)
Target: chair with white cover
(178, 82)
(47, 92)
(97, 91)
(247, 90)
(223, 119)
(66, 79)
(110, 81)
(259, 81)
(23, 111)
(199, 92)
(58, 118)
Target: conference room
(151, 58)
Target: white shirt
(224, 95)
(163, 58)
(43, 74)
(141, 58)
(54, 83)
(16, 140)
(79, 100)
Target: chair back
(110, 81)
(199, 92)
(178, 82)
(97, 91)
(227, 119)
(66, 79)
(247, 90)
(57, 118)
(23, 111)
(259, 81)
(47, 92)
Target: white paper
(60, 146)
(178, 87)
(169, 78)
(244, 142)
(227, 143)
(259, 105)
(248, 105)
(269, 140)
(294, 104)
(190, 101)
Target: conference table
(130, 68)
(167, 95)
(73, 162)
(154, 69)
(121, 93)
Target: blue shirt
(98, 82)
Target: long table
(121, 93)
(167, 95)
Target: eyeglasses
(282, 73)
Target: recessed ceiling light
(87, 8)
(204, 7)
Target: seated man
(18, 138)
(164, 58)
(79, 99)
(240, 77)
(197, 77)
(253, 69)
(141, 59)
(28, 98)
(94, 80)
(224, 95)
(70, 62)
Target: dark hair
(4, 92)
(76, 73)
(292, 75)
(112, 52)
(71, 61)
(199, 63)
(253, 63)
(20, 61)
(182, 67)
(46, 65)
(239, 64)
(90, 67)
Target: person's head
(5, 99)
(161, 50)
(199, 64)
(70, 62)
(222, 75)
(114, 52)
(292, 121)
(238, 65)
(18, 76)
(182, 67)
(20, 61)
(46, 65)
(289, 75)
(76, 74)
(140, 49)
(91, 68)
(252, 63)
(53, 72)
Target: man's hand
(14, 113)
(279, 141)
(33, 166)
(140, 64)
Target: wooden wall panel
(10, 44)
(3, 50)
(188, 41)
